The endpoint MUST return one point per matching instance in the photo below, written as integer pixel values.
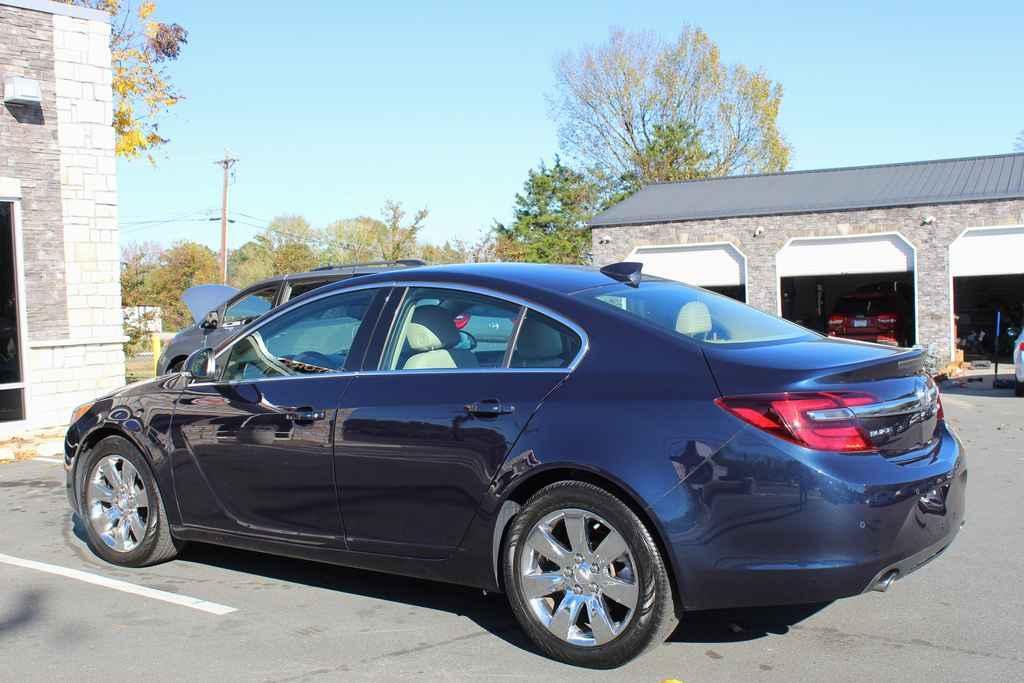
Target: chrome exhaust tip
(883, 584)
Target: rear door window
(298, 288)
(448, 329)
(544, 343)
(695, 313)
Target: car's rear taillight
(822, 421)
(1022, 347)
(835, 321)
(461, 320)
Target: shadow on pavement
(737, 625)
(24, 609)
(491, 613)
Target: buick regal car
(612, 451)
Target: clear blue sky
(334, 107)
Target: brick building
(943, 240)
(60, 310)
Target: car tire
(601, 635)
(175, 366)
(121, 506)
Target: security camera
(759, 231)
(928, 220)
(604, 240)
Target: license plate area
(860, 323)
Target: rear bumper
(774, 524)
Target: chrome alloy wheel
(578, 577)
(117, 503)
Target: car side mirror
(211, 321)
(200, 365)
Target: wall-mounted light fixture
(21, 90)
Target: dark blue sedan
(608, 449)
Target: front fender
(140, 413)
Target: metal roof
(834, 189)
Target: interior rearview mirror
(210, 321)
(200, 365)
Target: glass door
(12, 380)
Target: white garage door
(705, 265)
(998, 251)
(846, 255)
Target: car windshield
(695, 313)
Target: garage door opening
(719, 267)
(856, 287)
(977, 299)
(987, 266)
(875, 307)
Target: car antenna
(624, 271)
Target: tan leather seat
(694, 319)
(431, 336)
(538, 346)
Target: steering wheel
(316, 358)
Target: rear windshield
(696, 313)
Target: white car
(1018, 364)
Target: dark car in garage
(870, 316)
(620, 451)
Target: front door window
(250, 306)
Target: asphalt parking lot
(231, 615)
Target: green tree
(641, 108)
(248, 264)
(351, 240)
(289, 241)
(397, 238)
(549, 217)
(183, 265)
(138, 261)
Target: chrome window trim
(924, 400)
(510, 298)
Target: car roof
(522, 278)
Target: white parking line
(123, 586)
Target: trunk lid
(902, 413)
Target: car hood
(202, 299)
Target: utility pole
(226, 163)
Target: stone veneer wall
(29, 153)
(68, 177)
(931, 242)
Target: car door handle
(489, 407)
(305, 415)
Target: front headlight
(81, 410)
